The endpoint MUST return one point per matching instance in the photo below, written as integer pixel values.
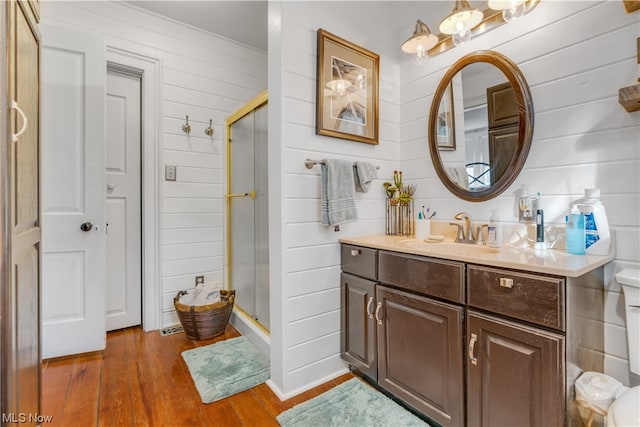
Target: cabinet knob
(506, 283)
(472, 344)
(355, 252)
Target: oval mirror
(480, 125)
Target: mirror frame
(525, 123)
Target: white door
(73, 192)
(123, 210)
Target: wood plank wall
(206, 77)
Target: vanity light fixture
(460, 22)
(420, 41)
(511, 9)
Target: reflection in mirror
(481, 131)
(469, 166)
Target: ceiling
(242, 21)
(245, 21)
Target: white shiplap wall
(575, 56)
(305, 285)
(206, 77)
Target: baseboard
(255, 335)
(284, 396)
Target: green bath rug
(225, 368)
(350, 404)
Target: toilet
(604, 395)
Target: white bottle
(494, 231)
(596, 226)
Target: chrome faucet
(468, 233)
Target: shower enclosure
(247, 210)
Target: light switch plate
(169, 173)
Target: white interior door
(123, 209)
(73, 192)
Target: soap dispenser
(494, 231)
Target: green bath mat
(225, 368)
(351, 404)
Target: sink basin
(449, 248)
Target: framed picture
(347, 91)
(445, 134)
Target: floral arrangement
(398, 193)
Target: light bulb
(515, 12)
(420, 55)
(461, 37)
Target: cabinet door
(420, 356)
(358, 340)
(515, 374)
(21, 374)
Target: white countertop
(550, 261)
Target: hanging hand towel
(337, 192)
(363, 174)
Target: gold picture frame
(347, 90)
(446, 130)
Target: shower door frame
(259, 101)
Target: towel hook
(186, 128)
(209, 130)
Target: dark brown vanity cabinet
(515, 371)
(412, 345)
(420, 353)
(358, 342)
(515, 374)
(464, 344)
(358, 288)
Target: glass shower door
(248, 218)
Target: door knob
(86, 226)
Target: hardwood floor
(140, 379)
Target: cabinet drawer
(359, 261)
(429, 276)
(532, 298)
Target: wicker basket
(204, 322)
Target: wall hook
(186, 128)
(209, 130)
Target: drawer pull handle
(506, 283)
(472, 344)
(378, 319)
(369, 305)
(355, 252)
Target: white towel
(337, 192)
(203, 294)
(363, 174)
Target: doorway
(123, 198)
(247, 210)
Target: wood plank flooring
(140, 379)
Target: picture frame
(347, 97)
(445, 132)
